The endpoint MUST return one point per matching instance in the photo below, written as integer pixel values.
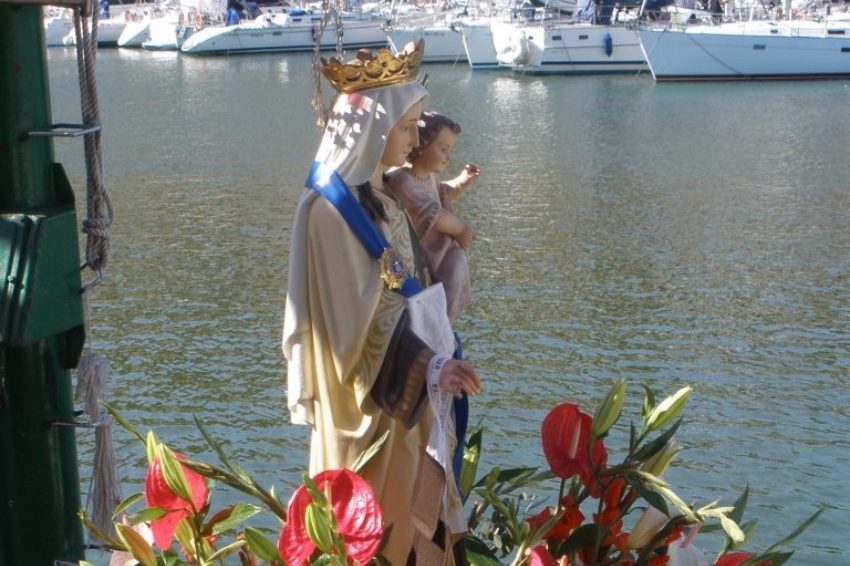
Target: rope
(104, 489)
(98, 205)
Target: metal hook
(76, 424)
(97, 279)
(68, 131)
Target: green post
(41, 321)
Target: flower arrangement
(609, 495)
(334, 519)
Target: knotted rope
(104, 489)
(98, 205)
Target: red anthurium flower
(158, 494)
(357, 513)
(735, 559)
(566, 434)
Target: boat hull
(56, 29)
(478, 44)
(568, 48)
(678, 55)
(444, 44)
(134, 34)
(269, 37)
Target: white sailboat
(478, 43)
(593, 39)
(57, 26)
(287, 30)
(756, 50)
(567, 48)
(441, 32)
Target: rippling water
(669, 234)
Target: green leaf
(803, 526)
(652, 448)
(185, 534)
(478, 553)
(137, 545)
(146, 514)
(216, 447)
(367, 454)
(228, 519)
(648, 403)
(120, 420)
(772, 558)
(172, 471)
(226, 550)
(150, 446)
(740, 504)
(515, 476)
(109, 541)
(469, 468)
(583, 537)
(652, 497)
(261, 546)
(128, 502)
(314, 491)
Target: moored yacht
(754, 50)
(287, 30)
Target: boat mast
(41, 311)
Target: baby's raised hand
(469, 173)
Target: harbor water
(672, 235)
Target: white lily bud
(668, 409)
(659, 463)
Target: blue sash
(330, 185)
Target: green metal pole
(39, 475)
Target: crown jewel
(368, 71)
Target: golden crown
(368, 71)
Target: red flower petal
(294, 544)
(566, 434)
(164, 527)
(158, 494)
(357, 513)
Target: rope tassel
(104, 490)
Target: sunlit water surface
(668, 234)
